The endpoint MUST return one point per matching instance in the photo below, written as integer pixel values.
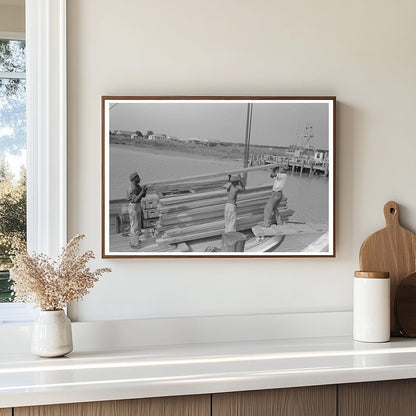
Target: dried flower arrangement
(52, 285)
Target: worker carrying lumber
(271, 211)
(233, 186)
(135, 194)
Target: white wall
(361, 51)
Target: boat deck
(313, 242)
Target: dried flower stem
(53, 285)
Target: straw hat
(133, 175)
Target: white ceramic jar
(52, 334)
(371, 307)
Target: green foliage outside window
(12, 145)
(12, 224)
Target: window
(46, 134)
(12, 166)
(12, 155)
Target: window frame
(12, 35)
(46, 121)
(46, 125)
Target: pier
(294, 164)
(309, 167)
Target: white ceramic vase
(52, 334)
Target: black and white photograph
(218, 176)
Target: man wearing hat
(233, 187)
(271, 211)
(134, 196)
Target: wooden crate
(150, 223)
(150, 203)
(150, 213)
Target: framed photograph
(218, 177)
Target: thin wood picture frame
(223, 176)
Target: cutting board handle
(391, 214)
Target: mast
(247, 139)
(307, 135)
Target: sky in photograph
(273, 124)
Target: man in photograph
(135, 195)
(234, 186)
(271, 211)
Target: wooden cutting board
(393, 250)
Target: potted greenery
(52, 286)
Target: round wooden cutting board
(393, 250)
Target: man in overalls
(134, 196)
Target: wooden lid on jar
(372, 275)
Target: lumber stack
(186, 186)
(186, 218)
(193, 208)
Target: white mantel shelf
(148, 371)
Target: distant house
(134, 136)
(157, 137)
(122, 133)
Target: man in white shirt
(271, 211)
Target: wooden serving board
(393, 250)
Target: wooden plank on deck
(289, 229)
(214, 175)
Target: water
(307, 195)
(154, 165)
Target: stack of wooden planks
(199, 213)
(196, 223)
(186, 186)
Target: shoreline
(175, 153)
